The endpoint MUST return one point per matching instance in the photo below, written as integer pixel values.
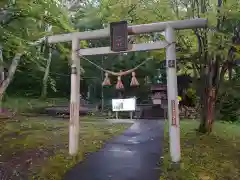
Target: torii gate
(169, 44)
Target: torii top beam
(132, 30)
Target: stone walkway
(134, 155)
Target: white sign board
(124, 104)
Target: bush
(229, 107)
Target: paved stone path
(134, 155)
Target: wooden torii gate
(169, 43)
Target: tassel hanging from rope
(106, 81)
(134, 81)
(119, 84)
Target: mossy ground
(206, 157)
(37, 147)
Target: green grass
(206, 157)
(22, 138)
(19, 104)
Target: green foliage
(23, 24)
(230, 98)
(230, 108)
(192, 94)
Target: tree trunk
(208, 101)
(47, 52)
(11, 72)
(211, 108)
(211, 81)
(207, 85)
(1, 75)
(203, 127)
(230, 72)
(46, 75)
(1, 67)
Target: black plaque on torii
(119, 36)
